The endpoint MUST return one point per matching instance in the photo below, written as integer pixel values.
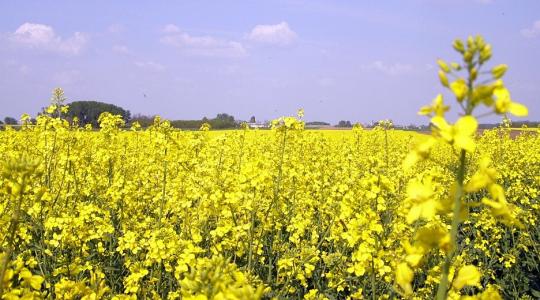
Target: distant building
(256, 125)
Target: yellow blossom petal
(404, 277)
(467, 275)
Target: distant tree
(224, 117)
(223, 121)
(10, 121)
(1, 122)
(187, 124)
(252, 119)
(88, 111)
(317, 123)
(143, 120)
(344, 123)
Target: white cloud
(43, 37)
(121, 49)
(389, 69)
(485, 1)
(533, 31)
(19, 67)
(201, 45)
(171, 28)
(116, 28)
(150, 65)
(278, 34)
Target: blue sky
(339, 60)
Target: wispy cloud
(17, 66)
(121, 49)
(171, 28)
(150, 65)
(532, 31)
(66, 77)
(43, 37)
(277, 34)
(116, 28)
(389, 68)
(201, 45)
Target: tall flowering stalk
(471, 94)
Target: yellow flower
(504, 103)
(423, 205)
(483, 177)
(499, 207)
(434, 236)
(460, 135)
(437, 107)
(51, 109)
(467, 275)
(414, 254)
(419, 153)
(404, 277)
(460, 89)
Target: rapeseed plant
(128, 213)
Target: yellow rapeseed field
(159, 213)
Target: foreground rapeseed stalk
(470, 96)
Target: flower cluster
(287, 213)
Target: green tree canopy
(10, 121)
(88, 111)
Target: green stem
(164, 189)
(386, 146)
(443, 284)
(373, 282)
(274, 202)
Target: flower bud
(468, 56)
(498, 71)
(458, 46)
(485, 54)
(443, 65)
(474, 73)
(479, 41)
(443, 78)
(455, 66)
(470, 43)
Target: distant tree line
(9, 121)
(221, 121)
(317, 123)
(88, 112)
(515, 124)
(344, 124)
